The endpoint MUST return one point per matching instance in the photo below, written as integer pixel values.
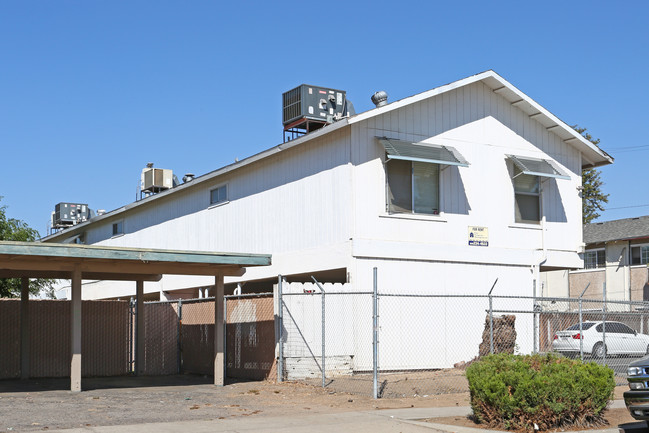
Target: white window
(640, 255)
(413, 174)
(527, 197)
(219, 195)
(413, 187)
(527, 185)
(118, 228)
(594, 259)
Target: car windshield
(584, 326)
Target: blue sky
(90, 91)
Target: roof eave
(594, 156)
(79, 228)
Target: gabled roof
(591, 154)
(617, 230)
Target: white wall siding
(438, 332)
(484, 127)
(296, 200)
(322, 204)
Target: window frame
(518, 173)
(216, 189)
(117, 228)
(413, 188)
(644, 248)
(597, 264)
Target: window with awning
(422, 152)
(528, 173)
(413, 174)
(538, 167)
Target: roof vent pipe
(380, 98)
(188, 177)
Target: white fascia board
(419, 97)
(64, 234)
(489, 77)
(604, 157)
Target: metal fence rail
(390, 344)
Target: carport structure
(27, 260)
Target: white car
(620, 339)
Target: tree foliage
(12, 229)
(592, 197)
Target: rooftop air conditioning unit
(154, 180)
(69, 214)
(314, 103)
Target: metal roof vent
(380, 98)
(188, 177)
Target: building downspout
(536, 272)
(544, 250)
(627, 265)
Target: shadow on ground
(98, 383)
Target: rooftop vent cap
(188, 177)
(380, 98)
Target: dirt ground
(40, 405)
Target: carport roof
(49, 260)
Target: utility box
(69, 214)
(319, 104)
(154, 180)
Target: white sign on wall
(479, 236)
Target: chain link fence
(105, 339)
(179, 336)
(417, 345)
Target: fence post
(131, 335)
(604, 321)
(180, 331)
(322, 293)
(375, 340)
(280, 315)
(581, 328)
(491, 319)
(225, 337)
(535, 318)
(322, 360)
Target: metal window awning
(538, 167)
(422, 152)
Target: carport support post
(75, 337)
(139, 328)
(24, 328)
(219, 360)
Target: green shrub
(516, 392)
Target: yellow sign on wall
(478, 236)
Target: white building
(442, 191)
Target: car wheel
(599, 350)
